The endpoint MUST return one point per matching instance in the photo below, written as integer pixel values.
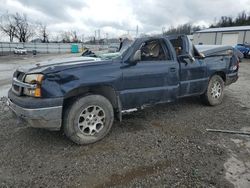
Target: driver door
(152, 80)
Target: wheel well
(221, 74)
(106, 91)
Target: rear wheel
(88, 119)
(215, 91)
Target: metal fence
(8, 47)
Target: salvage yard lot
(164, 145)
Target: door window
(152, 51)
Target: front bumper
(42, 117)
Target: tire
(88, 120)
(215, 91)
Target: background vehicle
(113, 48)
(244, 49)
(82, 96)
(20, 50)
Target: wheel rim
(216, 90)
(91, 120)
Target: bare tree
(24, 28)
(43, 32)
(69, 36)
(66, 37)
(187, 29)
(7, 26)
(74, 36)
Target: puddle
(238, 172)
(238, 165)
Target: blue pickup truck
(83, 95)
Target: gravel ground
(166, 145)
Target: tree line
(241, 19)
(187, 29)
(18, 27)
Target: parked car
(83, 95)
(113, 48)
(244, 49)
(20, 50)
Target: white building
(223, 36)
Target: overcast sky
(117, 16)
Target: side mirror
(136, 57)
(186, 56)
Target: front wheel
(88, 119)
(215, 91)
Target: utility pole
(137, 31)
(99, 34)
(107, 36)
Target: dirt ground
(163, 146)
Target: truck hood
(59, 64)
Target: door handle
(172, 69)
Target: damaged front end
(26, 102)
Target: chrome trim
(16, 82)
(129, 110)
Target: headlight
(34, 79)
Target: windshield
(104, 56)
(117, 55)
